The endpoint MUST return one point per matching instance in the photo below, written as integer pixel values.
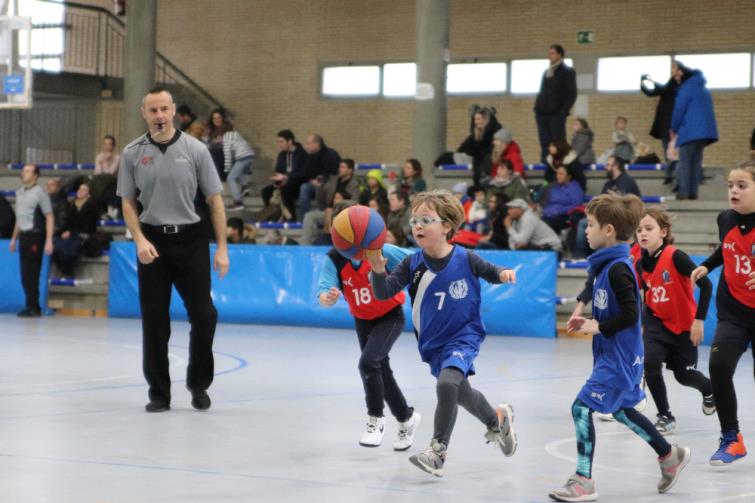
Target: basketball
(355, 229)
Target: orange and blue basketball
(355, 229)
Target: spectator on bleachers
(645, 155)
(560, 153)
(7, 218)
(411, 181)
(290, 159)
(374, 187)
(380, 204)
(104, 182)
(276, 237)
(509, 183)
(693, 123)
(188, 122)
(106, 161)
(497, 238)
(81, 223)
(59, 203)
(400, 213)
(618, 179)
(581, 142)
(395, 236)
(623, 140)
(480, 141)
(558, 92)
(504, 149)
(237, 232)
(459, 191)
(238, 158)
(561, 198)
(321, 162)
(660, 130)
(33, 234)
(476, 214)
(526, 230)
(217, 126)
(314, 222)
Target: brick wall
(262, 58)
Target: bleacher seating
(694, 226)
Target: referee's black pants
(183, 261)
(30, 248)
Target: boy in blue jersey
(614, 385)
(444, 286)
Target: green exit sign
(584, 37)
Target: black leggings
(376, 338)
(730, 342)
(663, 346)
(453, 389)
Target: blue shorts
(458, 355)
(608, 400)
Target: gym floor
(288, 409)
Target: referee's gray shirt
(166, 177)
(27, 201)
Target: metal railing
(94, 44)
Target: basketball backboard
(15, 57)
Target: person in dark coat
(479, 143)
(7, 219)
(81, 223)
(661, 127)
(693, 123)
(558, 92)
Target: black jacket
(298, 158)
(323, 163)
(7, 219)
(665, 108)
(558, 93)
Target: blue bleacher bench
(367, 166)
(56, 166)
(646, 199)
(277, 225)
(573, 264)
(602, 167)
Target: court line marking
(252, 476)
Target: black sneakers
(29, 313)
(200, 400)
(157, 406)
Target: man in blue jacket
(693, 123)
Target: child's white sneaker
(373, 432)
(406, 431)
(604, 417)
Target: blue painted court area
(287, 412)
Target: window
(399, 79)
(722, 71)
(624, 73)
(476, 78)
(47, 36)
(526, 74)
(345, 81)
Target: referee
(33, 232)
(165, 170)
